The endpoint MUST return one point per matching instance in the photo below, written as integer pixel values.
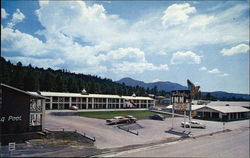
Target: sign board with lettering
(180, 99)
(15, 113)
(181, 106)
(12, 146)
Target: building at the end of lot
(83, 100)
(220, 111)
(21, 114)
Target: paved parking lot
(108, 136)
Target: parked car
(157, 117)
(120, 119)
(131, 118)
(193, 124)
(73, 108)
(152, 108)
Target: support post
(185, 121)
(173, 115)
(190, 115)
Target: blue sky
(206, 42)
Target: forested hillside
(30, 78)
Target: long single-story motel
(219, 111)
(57, 100)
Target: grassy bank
(109, 114)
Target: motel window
(83, 106)
(78, 99)
(35, 119)
(47, 105)
(55, 99)
(66, 99)
(39, 105)
(83, 99)
(66, 106)
(54, 106)
(89, 99)
(36, 105)
(61, 106)
(47, 100)
(61, 99)
(32, 105)
(73, 99)
(90, 106)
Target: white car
(193, 124)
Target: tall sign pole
(193, 91)
(173, 116)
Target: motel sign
(180, 99)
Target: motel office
(218, 111)
(58, 100)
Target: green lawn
(110, 114)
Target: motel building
(83, 100)
(220, 111)
(21, 115)
(223, 113)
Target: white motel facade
(58, 100)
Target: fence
(75, 131)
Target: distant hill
(161, 85)
(220, 95)
(169, 86)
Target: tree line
(31, 78)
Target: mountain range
(161, 85)
(170, 86)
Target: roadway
(228, 144)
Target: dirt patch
(58, 144)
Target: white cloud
(16, 41)
(17, 17)
(177, 14)
(131, 53)
(241, 48)
(4, 14)
(88, 39)
(200, 21)
(214, 71)
(224, 75)
(45, 63)
(185, 57)
(133, 67)
(130, 61)
(157, 80)
(203, 68)
(75, 14)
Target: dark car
(157, 117)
